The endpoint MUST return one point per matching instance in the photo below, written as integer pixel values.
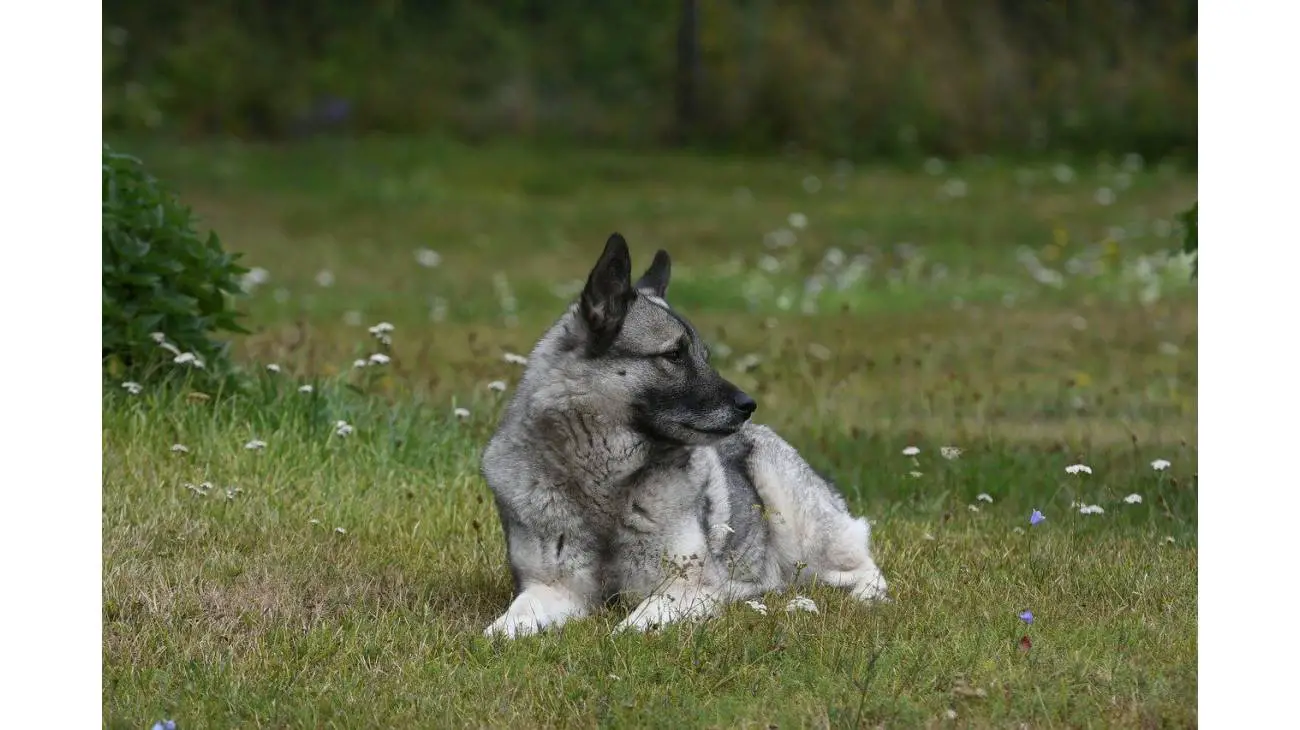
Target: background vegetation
(855, 78)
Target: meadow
(942, 339)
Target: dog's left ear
(655, 279)
(608, 295)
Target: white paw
(872, 590)
(654, 612)
(535, 609)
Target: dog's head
(645, 361)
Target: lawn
(1025, 313)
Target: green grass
(253, 611)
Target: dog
(625, 466)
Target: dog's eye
(675, 355)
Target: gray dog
(625, 465)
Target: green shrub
(160, 276)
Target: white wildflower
(1160, 464)
(132, 387)
(911, 451)
(798, 221)
(158, 337)
(382, 328)
(1169, 539)
(232, 491)
(428, 258)
(801, 603)
(314, 521)
(360, 363)
(928, 536)
(949, 452)
(305, 389)
(325, 278)
(343, 428)
(757, 606)
(973, 507)
(273, 368)
(255, 445)
(514, 359)
(1077, 468)
(984, 497)
(1133, 499)
(950, 713)
(180, 449)
(188, 358)
(1091, 509)
(1018, 530)
(914, 474)
(380, 358)
(461, 413)
(497, 385)
(340, 530)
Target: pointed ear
(655, 279)
(608, 294)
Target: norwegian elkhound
(626, 466)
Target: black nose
(744, 403)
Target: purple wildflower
(165, 725)
(1027, 616)
(1036, 517)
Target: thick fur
(626, 466)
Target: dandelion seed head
(428, 258)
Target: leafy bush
(160, 275)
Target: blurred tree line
(839, 77)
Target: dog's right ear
(655, 279)
(608, 295)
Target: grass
(251, 609)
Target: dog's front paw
(512, 626)
(872, 590)
(533, 611)
(653, 613)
